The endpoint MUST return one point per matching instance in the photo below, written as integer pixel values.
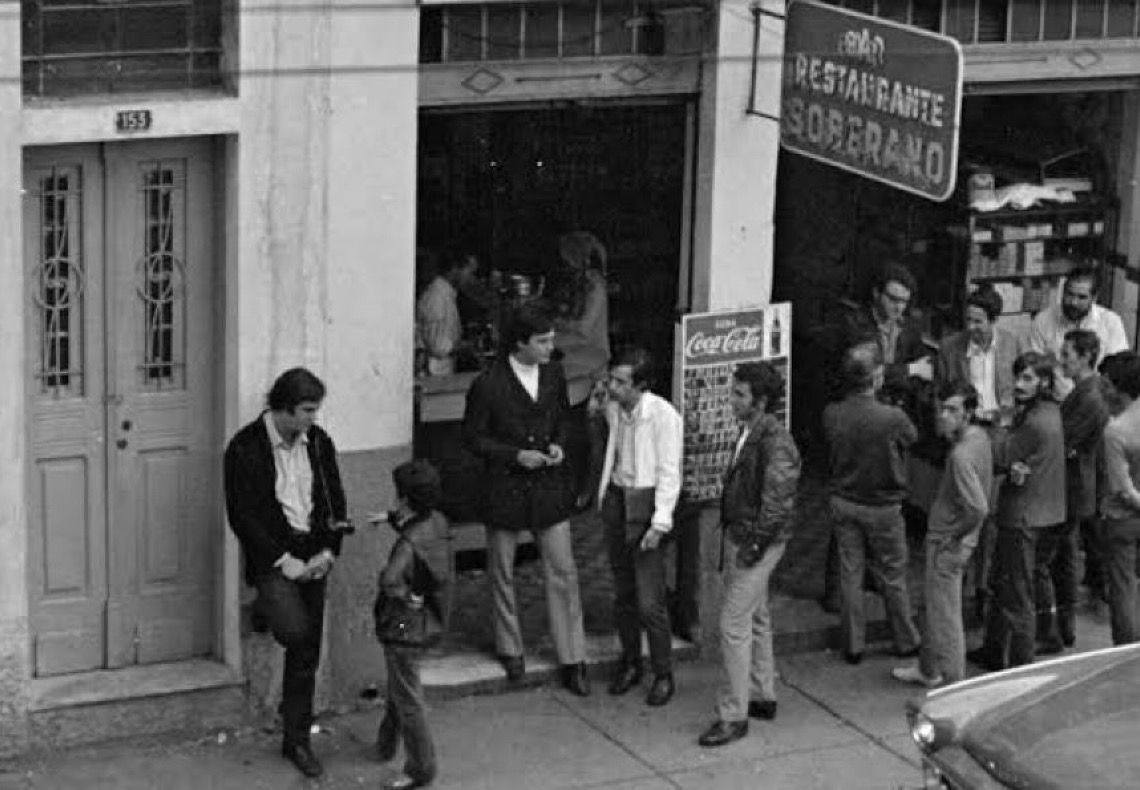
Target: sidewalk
(838, 726)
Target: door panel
(67, 497)
(123, 499)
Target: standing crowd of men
(1042, 452)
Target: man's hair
(526, 321)
(1085, 271)
(418, 482)
(1041, 364)
(764, 381)
(988, 300)
(894, 272)
(1085, 343)
(860, 362)
(1123, 370)
(641, 365)
(294, 387)
(960, 388)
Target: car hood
(1073, 722)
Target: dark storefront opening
(504, 184)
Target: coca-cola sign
(724, 338)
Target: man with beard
(1031, 512)
(956, 517)
(1078, 310)
(1083, 415)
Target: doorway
(121, 314)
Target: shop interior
(834, 227)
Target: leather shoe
(661, 691)
(981, 658)
(302, 756)
(575, 680)
(403, 782)
(626, 677)
(762, 709)
(853, 659)
(515, 667)
(723, 732)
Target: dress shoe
(661, 691)
(404, 782)
(575, 680)
(854, 659)
(302, 756)
(762, 709)
(914, 675)
(626, 677)
(723, 732)
(981, 658)
(1050, 648)
(515, 667)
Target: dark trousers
(295, 612)
(684, 610)
(1122, 566)
(404, 714)
(1092, 543)
(1056, 585)
(1011, 625)
(639, 587)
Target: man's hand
(749, 555)
(319, 566)
(554, 455)
(922, 369)
(531, 459)
(292, 568)
(651, 539)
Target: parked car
(1068, 724)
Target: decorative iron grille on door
(78, 47)
(998, 21)
(161, 278)
(57, 282)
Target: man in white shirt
(1078, 310)
(641, 479)
(981, 354)
(439, 329)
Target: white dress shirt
(438, 327)
(1047, 335)
(294, 483)
(527, 376)
(983, 374)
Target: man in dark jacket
(1084, 414)
(1031, 513)
(757, 504)
(516, 421)
(868, 442)
(286, 505)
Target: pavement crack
(663, 776)
(851, 723)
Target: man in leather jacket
(757, 504)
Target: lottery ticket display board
(713, 344)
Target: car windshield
(1086, 735)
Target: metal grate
(57, 282)
(78, 47)
(161, 277)
(570, 29)
(1003, 21)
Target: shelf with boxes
(1024, 253)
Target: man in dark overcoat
(516, 421)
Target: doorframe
(48, 693)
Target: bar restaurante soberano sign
(874, 97)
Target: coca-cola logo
(739, 340)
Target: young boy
(423, 535)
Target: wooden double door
(120, 261)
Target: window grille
(568, 29)
(161, 277)
(998, 21)
(77, 47)
(57, 283)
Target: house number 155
(132, 120)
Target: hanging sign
(875, 97)
(712, 345)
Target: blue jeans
(943, 639)
(874, 533)
(404, 714)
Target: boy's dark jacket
(254, 513)
(759, 495)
